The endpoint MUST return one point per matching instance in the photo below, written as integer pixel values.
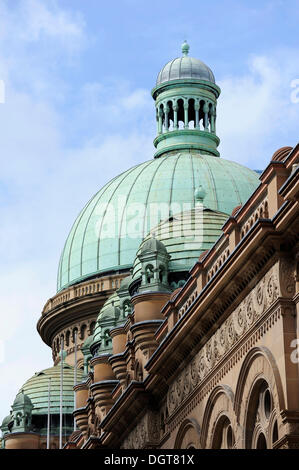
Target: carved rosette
(239, 321)
(187, 382)
(250, 311)
(221, 340)
(287, 277)
(194, 376)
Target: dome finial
(185, 48)
(200, 194)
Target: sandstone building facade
(185, 324)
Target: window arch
(91, 328)
(223, 437)
(67, 338)
(82, 331)
(149, 273)
(259, 410)
(127, 308)
(107, 338)
(188, 435)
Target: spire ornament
(185, 48)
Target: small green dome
(87, 342)
(37, 390)
(22, 400)
(107, 318)
(152, 245)
(185, 236)
(6, 422)
(183, 68)
(124, 285)
(107, 233)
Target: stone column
(166, 118)
(213, 120)
(206, 117)
(160, 113)
(196, 108)
(175, 114)
(186, 107)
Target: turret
(186, 98)
(154, 266)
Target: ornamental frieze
(146, 433)
(248, 312)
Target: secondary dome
(36, 388)
(107, 319)
(22, 399)
(185, 67)
(185, 236)
(108, 231)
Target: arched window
(181, 120)
(261, 442)
(223, 436)
(107, 339)
(188, 435)
(82, 331)
(149, 273)
(67, 338)
(259, 411)
(191, 113)
(91, 328)
(75, 332)
(127, 308)
(161, 273)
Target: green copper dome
(5, 422)
(185, 236)
(108, 231)
(22, 399)
(36, 388)
(108, 318)
(185, 67)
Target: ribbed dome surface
(37, 390)
(184, 68)
(185, 236)
(107, 233)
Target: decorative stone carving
(239, 321)
(250, 311)
(194, 373)
(287, 277)
(147, 430)
(235, 326)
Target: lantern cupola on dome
(186, 99)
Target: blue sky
(78, 75)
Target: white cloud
(255, 110)
(57, 23)
(45, 179)
(137, 99)
(34, 20)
